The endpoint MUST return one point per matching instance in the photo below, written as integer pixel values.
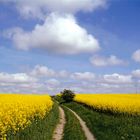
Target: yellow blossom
(17, 111)
(122, 103)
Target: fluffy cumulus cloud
(86, 76)
(16, 78)
(104, 61)
(118, 78)
(18, 83)
(40, 71)
(39, 8)
(44, 71)
(59, 34)
(42, 79)
(136, 56)
(26, 83)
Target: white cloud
(44, 71)
(136, 56)
(39, 8)
(26, 83)
(42, 79)
(104, 61)
(80, 82)
(59, 34)
(118, 78)
(136, 73)
(16, 78)
(83, 76)
(40, 71)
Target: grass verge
(72, 130)
(108, 126)
(40, 130)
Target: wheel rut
(59, 130)
(85, 129)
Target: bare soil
(58, 132)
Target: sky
(88, 46)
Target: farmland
(18, 111)
(114, 103)
(108, 116)
(107, 126)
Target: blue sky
(87, 46)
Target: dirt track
(86, 130)
(58, 133)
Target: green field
(107, 126)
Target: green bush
(67, 95)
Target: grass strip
(42, 129)
(106, 126)
(72, 130)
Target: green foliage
(58, 98)
(67, 95)
(107, 126)
(39, 129)
(72, 130)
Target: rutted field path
(85, 129)
(59, 131)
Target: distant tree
(67, 95)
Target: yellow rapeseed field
(17, 111)
(122, 103)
